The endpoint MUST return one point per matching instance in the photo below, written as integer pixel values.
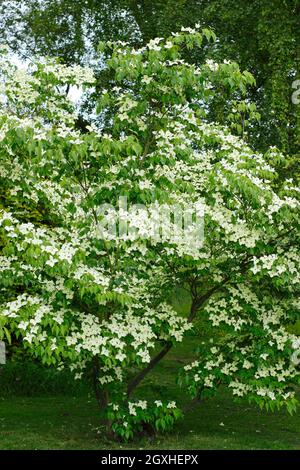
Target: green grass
(70, 421)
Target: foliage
(82, 295)
(4, 332)
(159, 417)
(261, 35)
(31, 379)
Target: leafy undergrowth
(70, 422)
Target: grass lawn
(70, 422)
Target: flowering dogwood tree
(86, 280)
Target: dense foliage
(261, 35)
(83, 292)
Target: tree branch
(196, 304)
(142, 374)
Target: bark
(142, 374)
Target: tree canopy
(82, 291)
(262, 36)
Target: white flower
(212, 65)
(146, 79)
(171, 404)
(264, 356)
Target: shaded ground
(70, 422)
